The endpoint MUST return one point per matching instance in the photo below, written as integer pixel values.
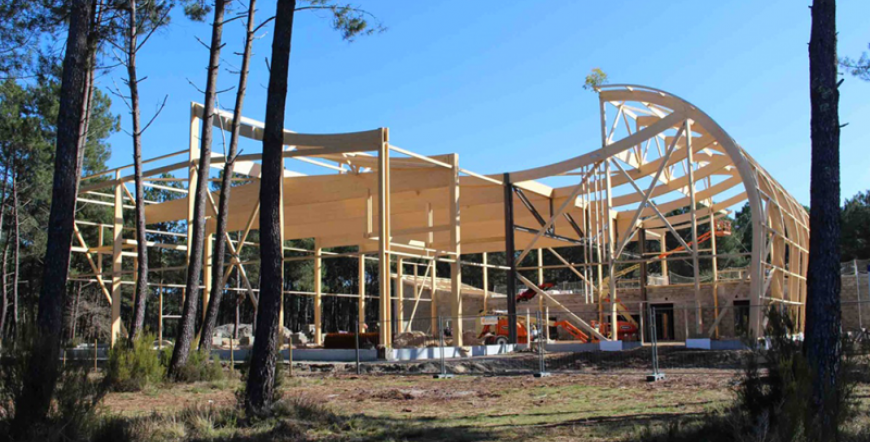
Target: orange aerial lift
(498, 334)
(723, 228)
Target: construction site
(664, 172)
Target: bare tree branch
(162, 105)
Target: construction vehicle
(627, 331)
(498, 334)
(723, 228)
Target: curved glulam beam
(597, 155)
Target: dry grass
(597, 407)
(592, 407)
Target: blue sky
(501, 82)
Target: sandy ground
(560, 407)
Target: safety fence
(651, 339)
(673, 335)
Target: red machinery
(626, 331)
(530, 293)
(723, 228)
(498, 334)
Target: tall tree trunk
(261, 377)
(16, 251)
(4, 290)
(217, 259)
(4, 310)
(822, 344)
(141, 239)
(93, 40)
(41, 376)
(194, 266)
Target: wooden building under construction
(663, 169)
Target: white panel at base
(610, 345)
(703, 344)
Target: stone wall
(471, 307)
(681, 297)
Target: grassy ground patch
(466, 408)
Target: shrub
(203, 420)
(133, 367)
(773, 395)
(200, 368)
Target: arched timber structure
(663, 169)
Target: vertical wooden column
(193, 156)
(690, 163)
(370, 217)
(540, 274)
(608, 223)
(794, 254)
(485, 281)
(800, 259)
(715, 286)
(456, 248)
(384, 240)
(362, 291)
(208, 250)
(433, 305)
(100, 241)
(281, 305)
(400, 294)
(160, 316)
(430, 222)
(588, 288)
(117, 260)
(603, 216)
(433, 297)
(318, 293)
(542, 303)
(417, 292)
(777, 256)
(641, 242)
(663, 246)
(599, 234)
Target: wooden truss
(658, 154)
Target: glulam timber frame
(658, 154)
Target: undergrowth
(199, 367)
(771, 398)
(74, 413)
(296, 418)
(134, 366)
